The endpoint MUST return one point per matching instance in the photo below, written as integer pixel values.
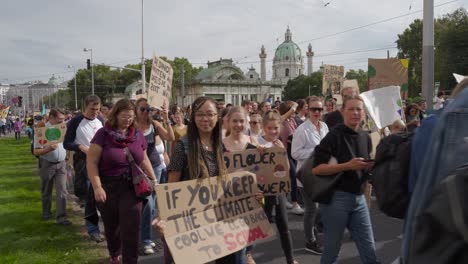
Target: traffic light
(88, 64)
(20, 101)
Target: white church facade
(224, 81)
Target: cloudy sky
(40, 38)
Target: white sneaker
(289, 205)
(148, 250)
(297, 210)
(152, 244)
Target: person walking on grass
(80, 131)
(52, 168)
(18, 126)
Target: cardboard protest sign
(4, 112)
(388, 72)
(383, 105)
(47, 136)
(207, 219)
(271, 168)
(333, 77)
(160, 85)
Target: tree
(361, 77)
(108, 80)
(451, 47)
(298, 87)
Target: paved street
(387, 234)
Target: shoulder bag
(141, 182)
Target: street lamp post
(143, 73)
(92, 69)
(76, 97)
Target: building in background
(224, 81)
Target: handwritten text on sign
(211, 218)
(270, 166)
(46, 136)
(160, 86)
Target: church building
(224, 81)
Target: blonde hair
(271, 115)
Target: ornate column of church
(309, 54)
(263, 56)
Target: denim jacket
(441, 158)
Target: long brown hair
(121, 105)
(196, 157)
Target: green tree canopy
(451, 47)
(298, 87)
(108, 80)
(361, 77)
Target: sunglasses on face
(315, 109)
(147, 109)
(254, 122)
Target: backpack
(390, 174)
(442, 228)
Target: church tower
(309, 54)
(263, 56)
(288, 62)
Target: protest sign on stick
(50, 135)
(333, 77)
(270, 166)
(388, 72)
(383, 105)
(160, 85)
(207, 219)
(4, 112)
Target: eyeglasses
(315, 109)
(254, 122)
(127, 117)
(147, 109)
(200, 115)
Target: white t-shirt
(86, 131)
(262, 141)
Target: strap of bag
(361, 144)
(456, 208)
(129, 155)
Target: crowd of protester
(103, 135)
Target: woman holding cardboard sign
(238, 141)
(271, 128)
(345, 206)
(199, 155)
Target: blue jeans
(147, 216)
(150, 209)
(347, 210)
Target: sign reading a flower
(271, 167)
(388, 72)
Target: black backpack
(441, 232)
(391, 173)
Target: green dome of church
(288, 50)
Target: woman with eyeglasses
(108, 171)
(255, 129)
(199, 155)
(305, 139)
(154, 133)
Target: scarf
(120, 139)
